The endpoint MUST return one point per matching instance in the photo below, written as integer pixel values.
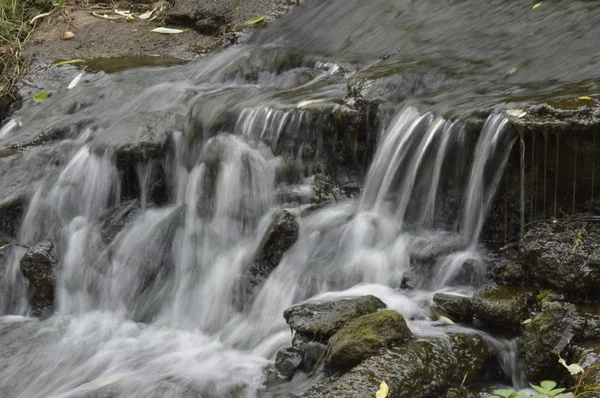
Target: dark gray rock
(549, 334)
(564, 255)
(591, 317)
(417, 369)
(38, 266)
(115, 219)
(322, 320)
(458, 392)
(287, 360)
(458, 307)
(503, 306)
(363, 337)
(587, 355)
(313, 351)
(281, 234)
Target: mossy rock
(364, 336)
(457, 307)
(417, 369)
(504, 306)
(549, 334)
(322, 320)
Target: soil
(207, 25)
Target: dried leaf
(537, 5)
(572, 368)
(71, 61)
(383, 390)
(446, 320)
(68, 35)
(123, 13)
(254, 21)
(167, 31)
(526, 321)
(516, 113)
(40, 97)
(309, 102)
(585, 97)
(147, 15)
(75, 81)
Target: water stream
(152, 311)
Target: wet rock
(417, 369)
(115, 219)
(38, 266)
(458, 392)
(364, 336)
(503, 306)
(313, 351)
(591, 317)
(323, 320)
(587, 355)
(564, 255)
(280, 236)
(458, 307)
(287, 360)
(548, 335)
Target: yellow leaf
(586, 97)
(526, 321)
(68, 35)
(516, 113)
(383, 390)
(537, 5)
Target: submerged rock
(38, 266)
(364, 336)
(418, 369)
(503, 306)
(564, 255)
(458, 307)
(313, 351)
(115, 219)
(287, 360)
(549, 334)
(323, 320)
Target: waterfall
(176, 267)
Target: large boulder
(323, 320)
(564, 255)
(417, 369)
(503, 306)
(458, 307)
(364, 336)
(549, 334)
(38, 266)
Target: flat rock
(503, 306)
(458, 307)
(326, 318)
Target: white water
(176, 267)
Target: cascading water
(176, 267)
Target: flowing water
(152, 312)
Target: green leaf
(526, 321)
(254, 21)
(40, 97)
(504, 392)
(548, 385)
(542, 295)
(71, 61)
(565, 395)
(572, 368)
(556, 391)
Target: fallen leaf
(516, 113)
(123, 13)
(68, 35)
(75, 81)
(585, 97)
(71, 61)
(253, 21)
(109, 380)
(446, 320)
(104, 16)
(309, 102)
(167, 31)
(572, 368)
(154, 55)
(129, 18)
(537, 5)
(40, 97)
(526, 321)
(383, 390)
(147, 15)
(513, 70)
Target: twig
(23, 245)
(380, 60)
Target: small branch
(23, 245)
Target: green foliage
(546, 389)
